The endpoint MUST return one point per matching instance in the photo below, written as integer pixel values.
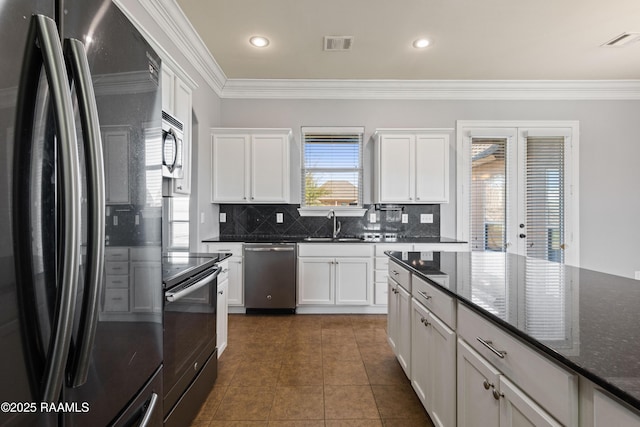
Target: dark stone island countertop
(586, 320)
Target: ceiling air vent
(623, 39)
(338, 43)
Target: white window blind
(545, 208)
(488, 194)
(332, 167)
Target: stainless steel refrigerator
(80, 217)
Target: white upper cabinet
(250, 165)
(412, 166)
(177, 101)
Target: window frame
(169, 244)
(351, 210)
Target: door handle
(44, 50)
(78, 65)
(153, 403)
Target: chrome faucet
(336, 223)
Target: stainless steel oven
(190, 356)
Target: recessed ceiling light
(421, 43)
(259, 41)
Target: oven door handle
(182, 292)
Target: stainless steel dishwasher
(270, 277)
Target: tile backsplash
(260, 220)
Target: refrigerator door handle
(44, 49)
(80, 74)
(153, 402)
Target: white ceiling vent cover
(622, 40)
(338, 43)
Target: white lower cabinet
(433, 364)
(608, 412)
(399, 324)
(340, 281)
(222, 313)
(234, 270)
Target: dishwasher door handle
(279, 249)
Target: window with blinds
(544, 177)
(488, 194)
(332, 167)
(178, 223)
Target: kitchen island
(583, 322)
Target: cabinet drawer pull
(487, 385)
(395, 273)
(221, 292)
(424, 294)
(424, 321)
(496, 394)
(489, 345)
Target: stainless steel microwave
(172, 146)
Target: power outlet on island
(223, 217)
(405, 218)
(372, 217)
(279, 218)
(426, 218)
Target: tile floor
(310, 370)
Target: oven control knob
(269, 297)
(195, 366)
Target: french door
(518, 188)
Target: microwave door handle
(80, 74)
(173, 296)
(44, 49)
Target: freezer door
(127, 350)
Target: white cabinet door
(316, 280)
(392, 315)
(441, 398)
(145, 277)
(236, 282)
(116, 159)
(432, 169)
(182, 110)
(168, 82)
(404, 330)
(607, 412)
(230, 163)
(419, 350)
(269, 168)
(395, 178)
(476, 383)
(353, 281)
(222, 316)
(519, 410)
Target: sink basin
(318, 239)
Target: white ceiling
(471, 39)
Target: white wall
(206, 114)
(609, 148)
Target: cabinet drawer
(381, 293)
(116, 254)
(336, 249)
(436, 301)
(400, 275)
(396, 247)
(232, 248)
(116, 268)
(117, 282)
(534, 373)
(116, 300)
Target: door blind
(332, 169)
(545, 198)
(488, 194)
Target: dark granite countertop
(586, 320)
(302, 239)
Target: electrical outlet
(405, 218)
(372, 217)
(223, 217)
(637, 275)
(426, 218)
(279, 218)
(115, 220)
(201, 217)
(137, 219)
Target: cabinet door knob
(486, 384)
(221, 292)
(496, 394)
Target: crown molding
(433, 89)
